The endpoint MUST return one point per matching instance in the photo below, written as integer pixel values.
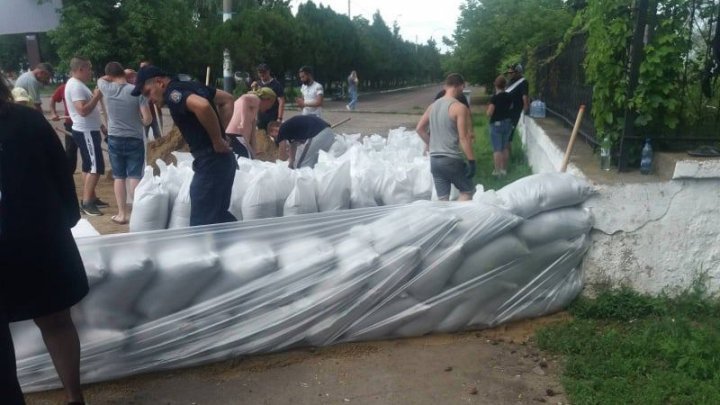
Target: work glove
(470, 169)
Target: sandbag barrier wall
(178, 298)
(354, 173)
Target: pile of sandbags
(186, 296)
(355, 173)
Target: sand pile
(162, 148)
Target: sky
(418, 20)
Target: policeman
(307, 134)
(200, 113)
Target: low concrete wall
(651, 236)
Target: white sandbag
(27, 339)
(366, 183)
(397, 265)
(151, 207)
(95, 268)
(182, 206)
(437, 268)
(171, 179)
(385, 318)
(109, 304)
(500, 251)
(260, 199)
(563, 223)
(544, 192)
(302, 258)
(423, 181)
(183, 159)
(302, 198)
(182, 272)
(242, 263)
(411, 225)
(426, 318)
(284, 179)
(240, 185)
(397, 186)
(479, 224)
(333, 186)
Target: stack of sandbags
(188, 296)
(356, 173)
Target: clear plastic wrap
(183, 297)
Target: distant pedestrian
(41, 272)
(126, 144)
(71, 148)
(353, 90)
(312, 93)
(34, 80)
(444, 128)
(201, 113)
(86, 128)
(519, 89)
(500, 112)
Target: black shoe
(100, 203)
(91, 210)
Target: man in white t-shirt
(312, 93)
(85, 114)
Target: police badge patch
(175, 96)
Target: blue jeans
(211, 188)
(500, 134)
(127, 157)
(353, 98)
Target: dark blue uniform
(211, 186)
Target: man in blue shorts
(444, 128)
(201, 113)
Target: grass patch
(627, 348)
(517, 168)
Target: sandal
(117, 221)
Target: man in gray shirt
(444, 128)
(34, 80)
(127, 116)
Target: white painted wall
(649, 236)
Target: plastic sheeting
(183, 297)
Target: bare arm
(490, 110)
(209, 120)
(526, 103)
(281, 108)
(145, 115)
(318, 102)
(422, 127)
(224, 103)
(459, 111)
(53, 110)
(85, 107)
(293, 151)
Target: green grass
(628, 348)
(517, 167)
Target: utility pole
(636, 53)
(349, 15)
(227, 62)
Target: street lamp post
(227, 62)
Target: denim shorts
(447, 171)
(500, 134)
(127, 157)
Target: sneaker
(100, 203)
(90, 210)
(347, 107)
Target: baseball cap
(264, 93)
(145, 73)
(21, 95)
(515, 68)
(263, 67)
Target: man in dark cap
(307, 135)
(201, 113)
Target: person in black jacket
(41, 272)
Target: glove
(470, 169)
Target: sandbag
(333, 186)
(182, 272)
(397, 186)
(302, 258)
(437, 268)
(544, 192)
(410, 225)
(151, 207)
(563, 223)
(182, 206)
(260, 199)
(302, 197)
(500, 251)
(239, 188)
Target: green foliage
(657, 100)
(12, 52)
(518, 166)
(625, 347)
(490, 31)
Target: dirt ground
(496, 366)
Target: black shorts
(447, 171)
(237, 147)
(89, 143)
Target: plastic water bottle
(646, 158)
(605, 148)
(537, 109)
